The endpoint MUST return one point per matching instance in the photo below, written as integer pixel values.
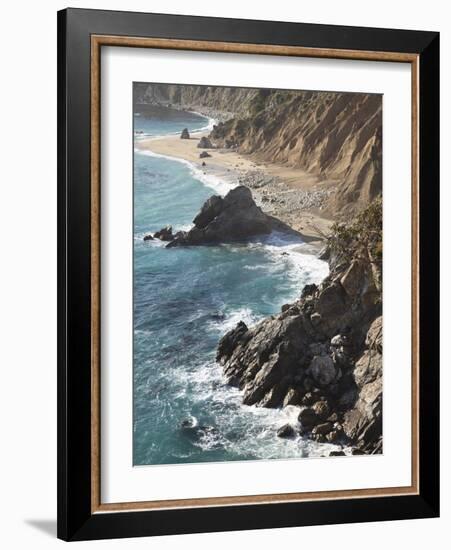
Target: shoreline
(290, 195)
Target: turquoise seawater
(185, 299)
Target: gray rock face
(363, 423)
(323, 353)
(233, 218)
(293, 397)
(322, 370)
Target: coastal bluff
(323, 352)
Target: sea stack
(233, 218)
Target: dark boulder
(323, 429)
(165, 234)
(205, 143)
(286, 431)
(322, 409)
(204, 155)
(148, 237)
(184, 134)
(308, 418)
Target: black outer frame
(75, 520)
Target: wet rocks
(323, 429)
(148, 237)
(164, 234)
(337, 453)
(322, 353)
(204, 155)
(185, 134)
(293, 397)
(286, 431)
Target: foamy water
(185, 299)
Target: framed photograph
(248, 274)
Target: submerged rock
(308, 418)
(148, 237)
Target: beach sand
(289, 194)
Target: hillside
(336, 136)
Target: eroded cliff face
(231, 101)
(336, 136)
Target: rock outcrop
(322, 353)
(205, 143)
(233, 218)
(184, 134)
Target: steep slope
(334, 135)
(322, 353)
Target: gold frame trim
(97, 41)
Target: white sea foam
(229, 320)
(208, 127)
(257, 426)
(219, 185)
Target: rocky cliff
(323, 352)
(336, 136)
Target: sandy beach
(291, 195)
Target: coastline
(321, 336)
(291, 195)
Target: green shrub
(362, 237)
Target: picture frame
(81, 36)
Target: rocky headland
(323, 352)
(302, 161)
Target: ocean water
(185, 299)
